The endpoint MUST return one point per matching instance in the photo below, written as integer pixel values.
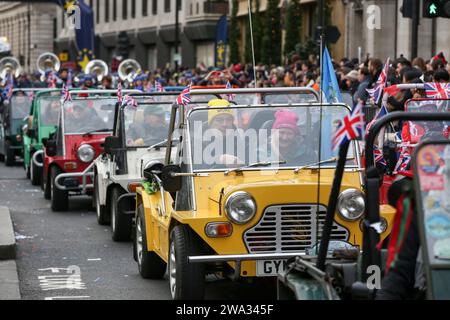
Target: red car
(84, 124)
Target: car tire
(2, 157)
(187, 280)
(120, 223)
(47, 187)
(103, 218)
(60, 198)
(9, 155)
(150, 265)
(34, 173)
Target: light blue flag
(330, 86)
(331, 94)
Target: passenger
(154, 129)
(286, 142)
(83, 118)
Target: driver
(52, 112)
(83, 117)
(154, 129)
(286, 142)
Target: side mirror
(170, 181)
(50, 147)
(111, 144)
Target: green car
(42, 121)
(12, 118)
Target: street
(69, 256)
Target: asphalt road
(69, 256)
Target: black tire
(2, 157)
(188, 280)
(10, 157)
(60, 199)
(35, 173)
(120, 223)
(47, 187)
(103, 217)
(150, 265)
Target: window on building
(197, 8)
(144, 8)
(124, 9)
(114, 10)
(167, 5)
(106, 10)
(133, 9)
(155, 7)
(97, 11)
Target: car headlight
(351, 204)
(86, 153)
(240, 207)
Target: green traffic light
(433, 9)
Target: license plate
(270, 268)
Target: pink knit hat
(285, 118)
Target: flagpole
(251, 37)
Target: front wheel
(120, 223)
(150, 265)
(101, 210)
(187, 280)
(10, 156)
(60, 198)
(35, 173)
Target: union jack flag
(437, 90)
(158, 87)
(51, 80)
(377, 92)
(229, 97)
(9, 87)
(185, 97)
(129, 101)
(392, 90)
(66, 94)
(378, 154)
(381, 113)
(351, 127)
(119, 93)
(403, 160)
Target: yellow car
(239, 200)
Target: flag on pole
(381, 113)
(129, 101)
(403, 160)
(51, 80)
(185, 97)
(330, 86)
(66, 94)
(436, 90)
(351, 127)
(229, 97)
(119, 93)
(158, 87)
(377, 92)
(378, 155)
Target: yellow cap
(215, 112)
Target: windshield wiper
(334, 159)
(96, 130)
(255, 165)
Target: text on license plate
(267, 268)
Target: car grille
(290, 228)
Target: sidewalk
(9, 280)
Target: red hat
(286, 119)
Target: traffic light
(407, 9)
(436, 8)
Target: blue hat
(141, 77)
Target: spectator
(361, 94)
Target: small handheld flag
(185, 97)
(229, 97)
(129, 101)
(351, 128)
(66, 94)
(377, 91)
(158, 87)
(119, 93)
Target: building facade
(150, 27)
(379, 29)
(29, 29)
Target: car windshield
(50, 108)
(20, 105)
(284, 136)
(419, 130)
(147, 124)
(83, 116)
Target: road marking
(67, 297)
(71, 280)
(94, 259)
